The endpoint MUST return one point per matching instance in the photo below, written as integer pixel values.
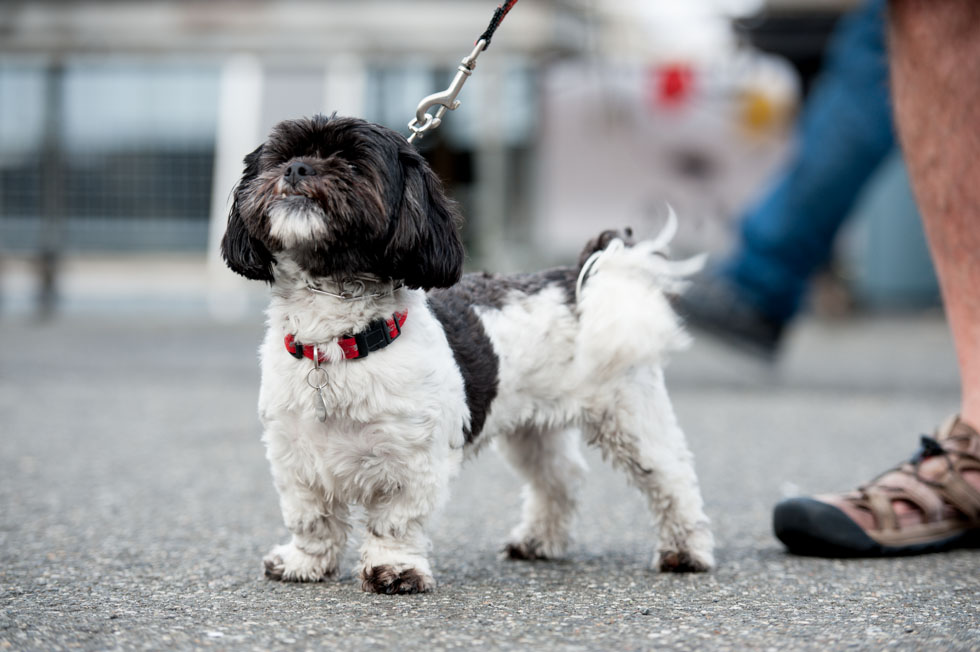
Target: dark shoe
(924, 505)
(712, 305)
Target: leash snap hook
(445, 100)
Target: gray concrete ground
(135, 506)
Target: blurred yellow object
(761, 114)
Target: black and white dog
(382, 368)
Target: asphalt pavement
(136, 505)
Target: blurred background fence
(121, 151)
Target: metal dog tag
(317, 379)
(319, 406)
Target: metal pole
(52, 171)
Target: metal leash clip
(446, 100)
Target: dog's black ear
(243, 253)
(424, 249)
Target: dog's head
(342, 197)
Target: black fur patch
(602, 241)
(384, 579)
(679, 562)
(245, 253)
(493, 290)
(474, 352)
(528, 550)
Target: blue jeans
(845, 131)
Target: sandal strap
(949, 425)
(957, 491)
(959, 445)
(880, 504)
(901, 484)
(956, 435)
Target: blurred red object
(673, 84)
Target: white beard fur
(394, 434)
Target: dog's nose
(297, 170)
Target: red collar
(379, 334)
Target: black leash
(498, 17)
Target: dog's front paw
(529, 549)
(290, 564)
(683, 561)
(391, 580)
(688, 552)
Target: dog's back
(533, 347)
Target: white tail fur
(624, 315)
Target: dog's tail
(625, 317)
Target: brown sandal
(900, 512)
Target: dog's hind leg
(634, 425)
(550, 462)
